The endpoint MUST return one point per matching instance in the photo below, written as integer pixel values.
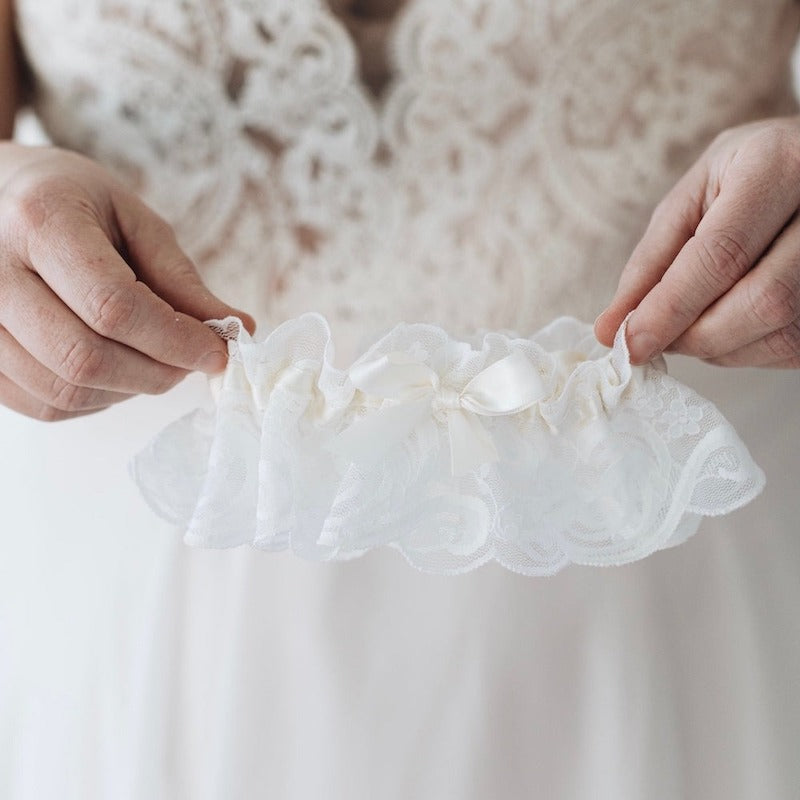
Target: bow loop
(394, 376)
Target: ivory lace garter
(533, 452)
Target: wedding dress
(497, 182)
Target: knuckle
(776, 303)
(25, 210)
(69, 397)
(84, 364)
(167, 381)
(112, 309)
(683, 219)
(699, 345)
(33, 206)
(675, 212)
(183, 270)
(674, 306)
(25, 213)
(723, 257)
(785, 343)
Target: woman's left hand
(717, 273)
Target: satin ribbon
(508, 386)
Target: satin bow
(508, 386)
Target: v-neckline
(388, 47)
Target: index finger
(672, 223)
(83, 268)
(737, 228)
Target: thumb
(152, 251)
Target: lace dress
(495, 174)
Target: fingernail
(598, 318)
(213, 362)
(643, 347)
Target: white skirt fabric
(134, 666)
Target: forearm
(9, 72)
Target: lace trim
(533, 452)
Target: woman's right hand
(97, 301)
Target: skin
(9, 99)
(367, 9)
(717, 274)
(367, 23)
(98, 302)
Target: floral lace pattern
(469, 193)
(534, 452)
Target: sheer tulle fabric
(533, 452)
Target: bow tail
(470, 443)
(366, 440)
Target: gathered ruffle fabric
(533, 452)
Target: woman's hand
(717, 273)
(97, 301)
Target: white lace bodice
(501, 178)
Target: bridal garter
(533, 452)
